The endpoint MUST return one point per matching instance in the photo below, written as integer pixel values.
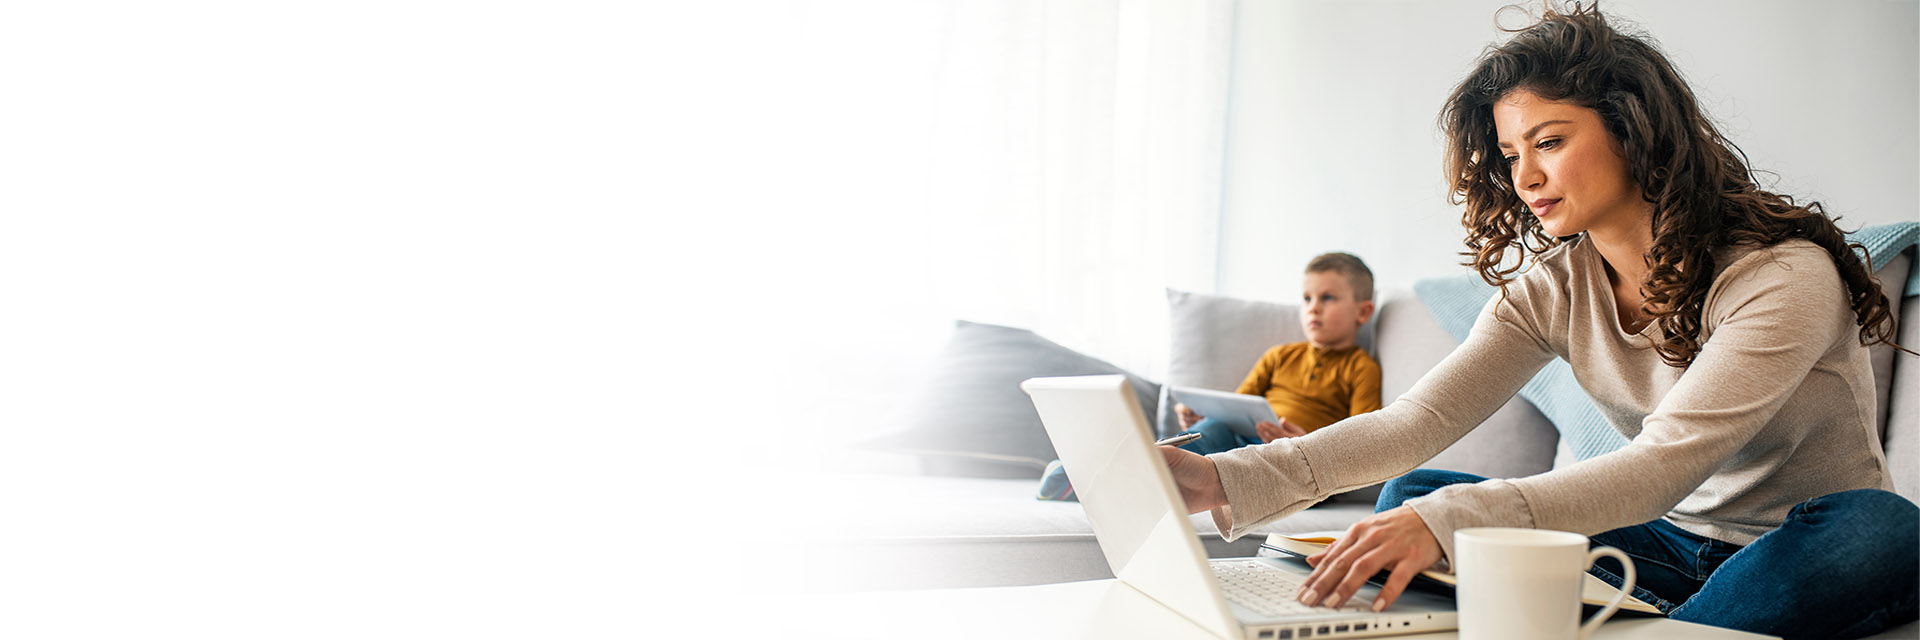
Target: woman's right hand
(1197, 478)
(1187, 417)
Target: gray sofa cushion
(1893, 280)
(1902, 427)
(1902, 430)
(973, 419)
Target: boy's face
(1328, 311)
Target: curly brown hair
(1702, 193)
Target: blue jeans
(1841, 566)
(1215, 437)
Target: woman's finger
(1403, 573)
(1357, 575)
(1332, 562)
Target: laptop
(1142, 526)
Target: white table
(1092, 609)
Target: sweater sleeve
(1771, 320)
(1267, 482)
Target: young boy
(1310, 384)
(1315, 383)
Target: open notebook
(1597, 592)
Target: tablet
(1240, 411)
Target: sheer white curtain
(1051, 165)
(1075, 166)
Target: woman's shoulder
(1797, 270)
(1541, 297)
(1795, 259)
(1554, 272)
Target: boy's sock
(1054, 484)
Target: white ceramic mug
(1525, 584)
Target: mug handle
(1607, 612)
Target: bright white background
(429, 318)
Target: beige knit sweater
(1777, 409)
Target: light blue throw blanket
(1456, 301)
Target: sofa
(919, 514)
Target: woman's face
(1566, 167)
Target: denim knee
(1858, 533)
(1419, 482)
(1882, 507)
(1880, 527)
(1213, 429)
(1849, 555)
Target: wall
(1332, 141)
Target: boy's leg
(1842, 566)
(1215, 437)
(1054, 484)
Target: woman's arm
(1268, 482)
(1772, 317)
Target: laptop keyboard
(1270, 591)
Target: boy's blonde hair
(1358, 275)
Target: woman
(1720, 327)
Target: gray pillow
(973, 419)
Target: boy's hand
(1270, 432)
(1187, 417)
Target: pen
(1178, 440)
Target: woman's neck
(1623, 247)
(1626, 263)
(1624, 244)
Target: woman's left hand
(1396, 539)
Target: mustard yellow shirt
(1314, 387)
